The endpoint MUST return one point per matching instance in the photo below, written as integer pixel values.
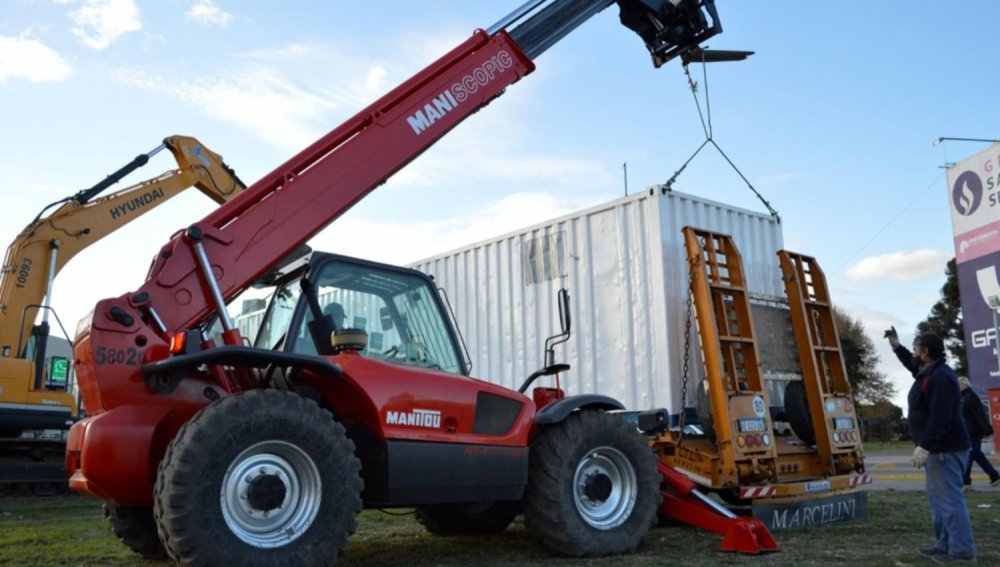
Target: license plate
(818, 486)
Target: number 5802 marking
(130, 357)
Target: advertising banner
(977, 281)
(974, 198)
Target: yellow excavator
(36, 391)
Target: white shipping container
(624, 265)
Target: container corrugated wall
(623, 263)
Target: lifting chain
(706, 126)
(687, 353)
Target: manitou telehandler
(216, 452)
(30, 398)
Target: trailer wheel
(593, 488)
(136, 528)
(265, 475)
(477, 518)
(797, 409)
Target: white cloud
(276, 95)
(206, 13)
(900, 266)
(24, 58)
(100, 22)
(257, 99)
(376, 74)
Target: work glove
(893, 337)
(919, 457)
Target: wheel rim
(271, 494)
(604, 488)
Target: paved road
(892, 470)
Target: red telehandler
(355, 393)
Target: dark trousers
(976, 455)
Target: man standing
(938, 429)
(978, 424)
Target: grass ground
(71, 531)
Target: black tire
(261, 478)
(797, 410)
(593, 488)
(703, 406)
(477, 518)
(136, 528)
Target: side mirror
(564, 319)
(550, 343)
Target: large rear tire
(477, 518)
(593, 488)
(265, 478)
(797, 410)
(136, 528)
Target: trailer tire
(797, 410)
(476, 518)
(136, 528)
(265, 475)
(593, 487)
(703, 407)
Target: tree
(871, 387)
(873, 392)
(945, 320)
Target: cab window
(397, 311)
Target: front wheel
(264, 474)
(593, 488)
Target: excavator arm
(47, 243)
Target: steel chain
(687, 353)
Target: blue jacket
(935, 412)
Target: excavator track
(33, 467)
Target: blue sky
(832, 120)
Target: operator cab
(380, 311)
